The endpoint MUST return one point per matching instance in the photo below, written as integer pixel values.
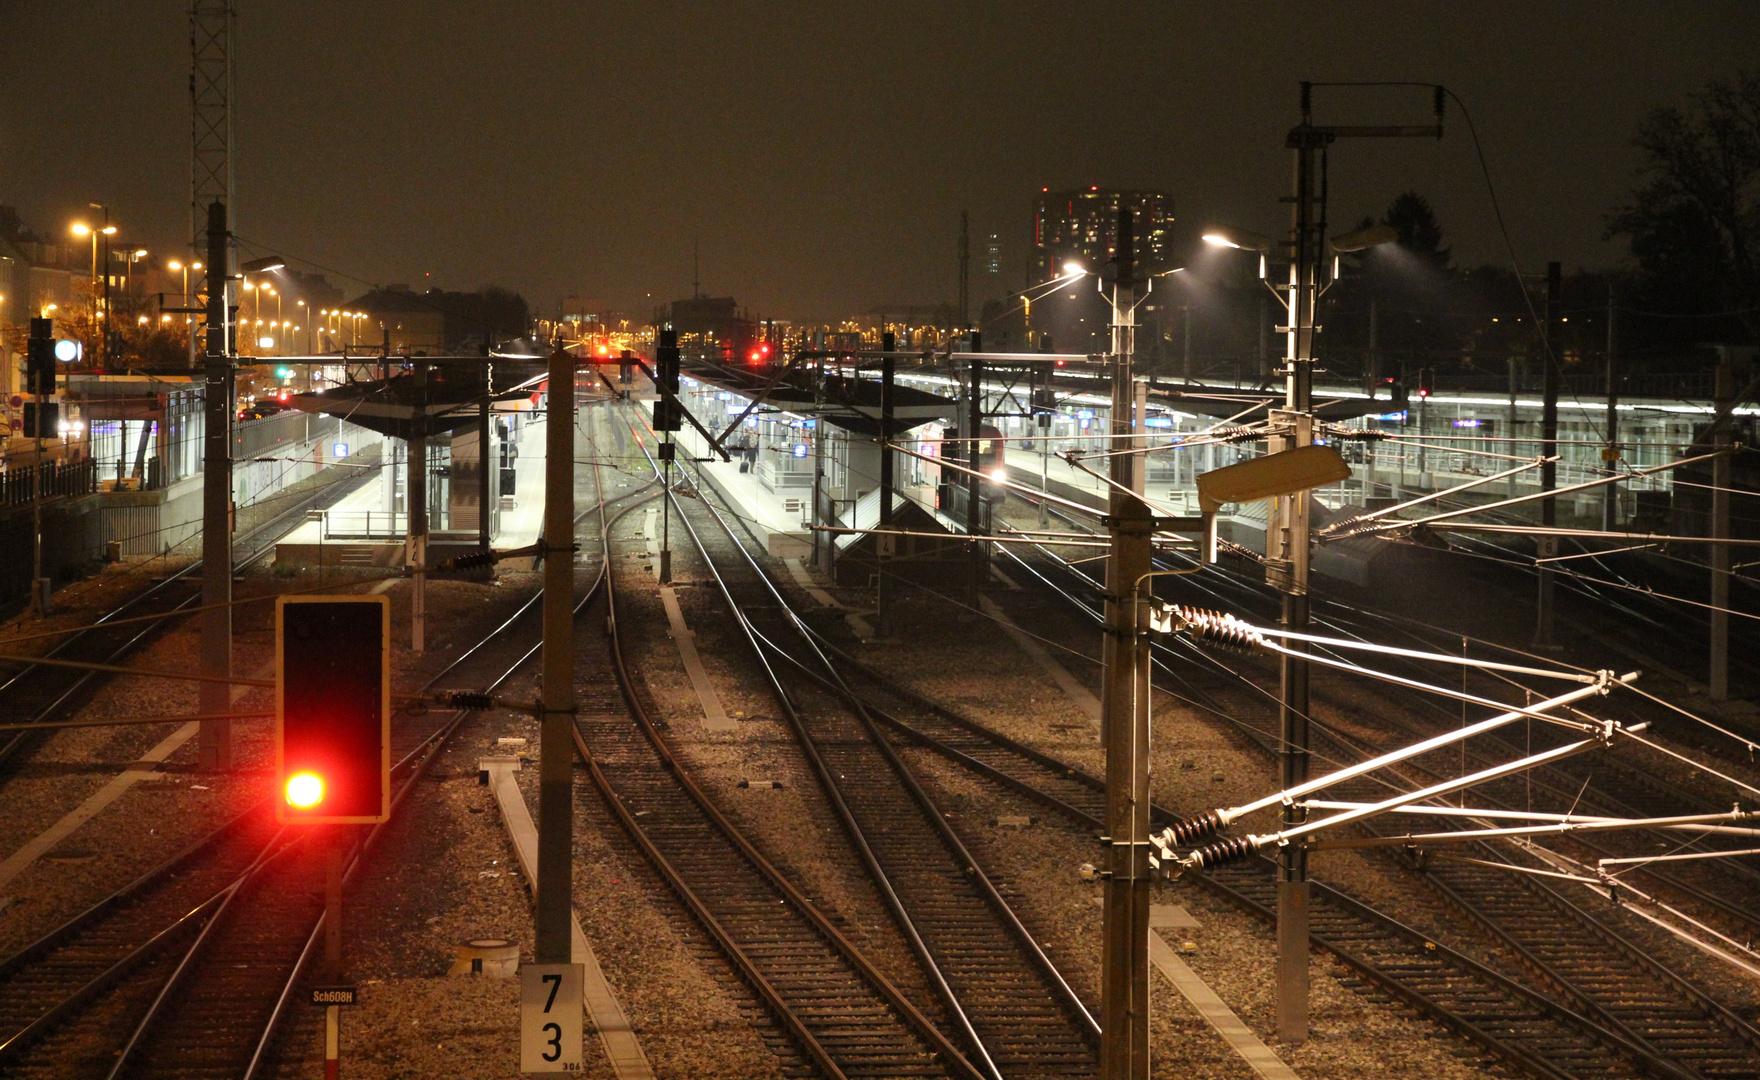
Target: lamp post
(1287, 533)
(134, 256)
(306, 317)
(100, 298)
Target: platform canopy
(851, 404)
(454, 394)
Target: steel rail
(1088, 820)
(1062, 992)
(20, 742)
(1630, 1040)
(799, 901)
(219, 905)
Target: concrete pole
(884, 545)
(1548, 545)
(1724, 393)
(1124, 711)
(415, 502)
(556, 747)
(214, 743)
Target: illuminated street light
(1228, 236)
(1363, 239)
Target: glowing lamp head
(304, 790)
(999, 475)
(1219, 240)
(1073, 269)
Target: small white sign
(339, 450)
(550, 1017)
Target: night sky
(821, 152)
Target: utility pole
(485, 537)
(1185, 354)
(215, 696)
(1286, 562)
(1124, 963)
(974, 482)
(1724, 393)
(40, 381)
(965, 273)
(554, 943)
(1547, 545)
(1610, 455)
(1510, 422)
(1287, 532)
(666, 421)
(885, 544)
(1373, 375)
(415, 502)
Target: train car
(951, 484)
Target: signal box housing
(333, 709)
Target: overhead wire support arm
(669, 396)
(1550, 494)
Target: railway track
(837, 1013)
(1009, 1009)
(1510, 1021)
(36, 693)
(191, 970)
(1611, 988)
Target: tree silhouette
(1411, 216)
(1694, 219)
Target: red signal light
(765, 349)
(305, 790)
(754, 356)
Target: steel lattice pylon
(210, 112)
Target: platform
(779, 517)
(363, 511)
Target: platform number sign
(550, 1017)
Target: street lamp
(80, 228)
(1227, 236)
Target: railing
(19, 485)
(362, 524)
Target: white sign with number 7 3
(550, 1018)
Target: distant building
(37, 271)
(1081, 225)
(410, 322)
(991, 264)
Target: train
(951, 485)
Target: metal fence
(19, 485)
